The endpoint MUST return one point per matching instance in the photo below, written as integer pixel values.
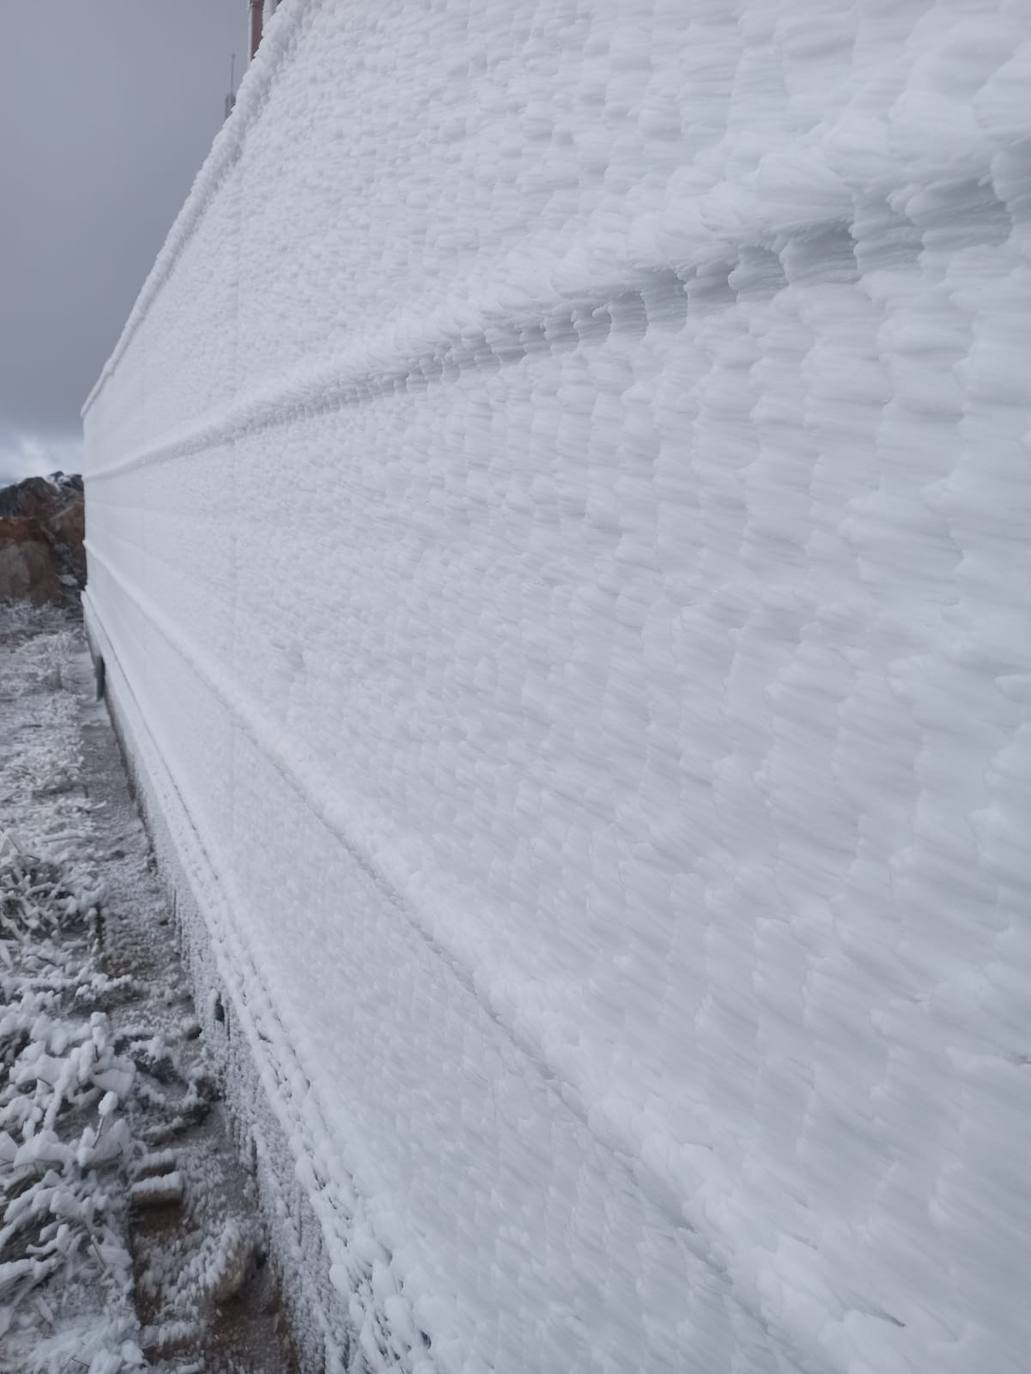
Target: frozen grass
(65, 1141)
(127, 1237)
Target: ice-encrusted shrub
(64, 1139)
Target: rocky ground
(42, 527)
(129, 1235)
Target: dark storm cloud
(107, 110)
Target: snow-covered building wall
(558, 527)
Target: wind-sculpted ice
(558, 523)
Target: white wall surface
(559, 513)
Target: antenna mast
(231, 97)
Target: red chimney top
(257, 7)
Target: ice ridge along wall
(558, 528)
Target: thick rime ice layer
(558, 529)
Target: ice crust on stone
(558, 529)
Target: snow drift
(557, 523)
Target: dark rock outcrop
(42, 523)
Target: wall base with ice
(558, 510)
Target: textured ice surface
(558, 522)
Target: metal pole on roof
(231, 96)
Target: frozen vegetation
(127, 1234)
(65, 1143)
(557, 526)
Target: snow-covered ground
(557, 521)
(121, 1198)
(65, 1143)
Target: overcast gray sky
(107, 110)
